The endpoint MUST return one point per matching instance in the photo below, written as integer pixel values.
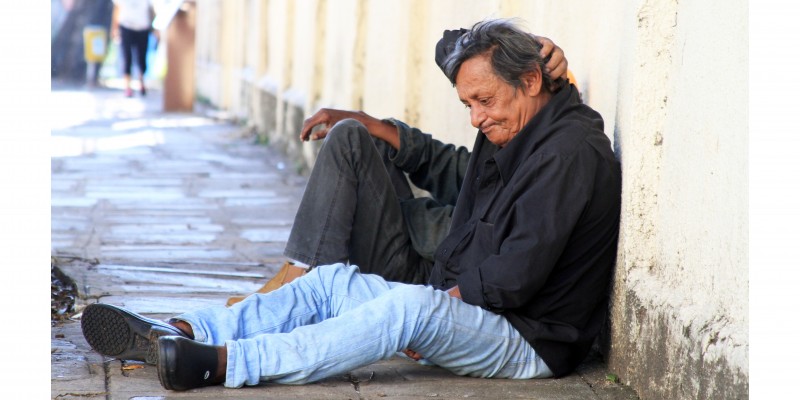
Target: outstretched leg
(325, 292)
(335, 319)
(335, 329)
(336, 333)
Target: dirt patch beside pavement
(63, 293)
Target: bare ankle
(293, 273)
(222, 363)
(184, 327)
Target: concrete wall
(681, 301)
(670, 79)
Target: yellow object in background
(94, 43)
(571, 78)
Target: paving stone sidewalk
(165, 213)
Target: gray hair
(513, 52)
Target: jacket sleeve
(531, 237)
(432, 165)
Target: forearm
(317, 126)
(381, 130)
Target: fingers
(557, 65)
(320, 133)
(547, 46)
(320, 117)
(327, 117)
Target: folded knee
(329, 273)
(415, 298)
(347, 130)
(349, 123)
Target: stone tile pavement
(164, 213)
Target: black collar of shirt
(526, 141)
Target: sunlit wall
(669, 79)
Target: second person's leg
(126, 47)
(142, 39)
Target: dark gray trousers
(351, 213)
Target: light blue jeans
(335, 319)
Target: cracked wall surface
(680, 310)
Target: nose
(476, 116)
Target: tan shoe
(286, 274)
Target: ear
(532, 83)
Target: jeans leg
(353, 331)
(324, 292)
(350, 211)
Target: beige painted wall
(669, 78)
(681, 299)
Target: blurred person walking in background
(131, 24)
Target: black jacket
(534, 230)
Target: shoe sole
(112, 333)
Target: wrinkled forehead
(476, 77)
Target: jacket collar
(536, 130)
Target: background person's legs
(126, 48)
(141, 39)
(350, 211)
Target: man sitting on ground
(518, 288)
(372, 218)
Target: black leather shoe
(185, 364)
(119, 333)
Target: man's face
(495, 107)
